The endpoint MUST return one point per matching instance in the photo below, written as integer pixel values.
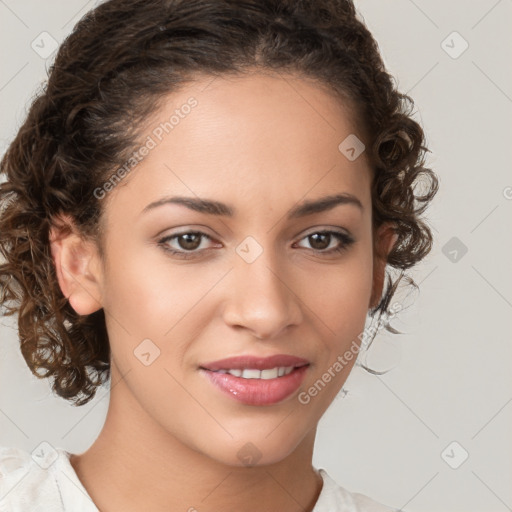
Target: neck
(135, 464)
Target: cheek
(340, 300)
(150, 292)
(148, 297)
(340, 295)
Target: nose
(261, 298)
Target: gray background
(384, 436)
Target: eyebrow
(211, 207)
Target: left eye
(322, 240)
(189, 243)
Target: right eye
(186, 245)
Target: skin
(171, 440)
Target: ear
(384, 240)
(77, 264)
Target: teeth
(270, 373)
(250, 374)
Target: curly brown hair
(110, 74)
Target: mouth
(255, 380)
(254, 373)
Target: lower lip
(258, 391)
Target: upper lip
(255, 362)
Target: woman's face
(259, 280)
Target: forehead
(298, 104)
(267, 135)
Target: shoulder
(23, 481)
(334, 498)
(35, 482)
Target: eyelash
(346, 240)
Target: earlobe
(75, 261)
(385, 241)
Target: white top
(45, 481)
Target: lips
(257, 380)
(255, 362)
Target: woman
(202, 205)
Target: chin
(251, 451)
